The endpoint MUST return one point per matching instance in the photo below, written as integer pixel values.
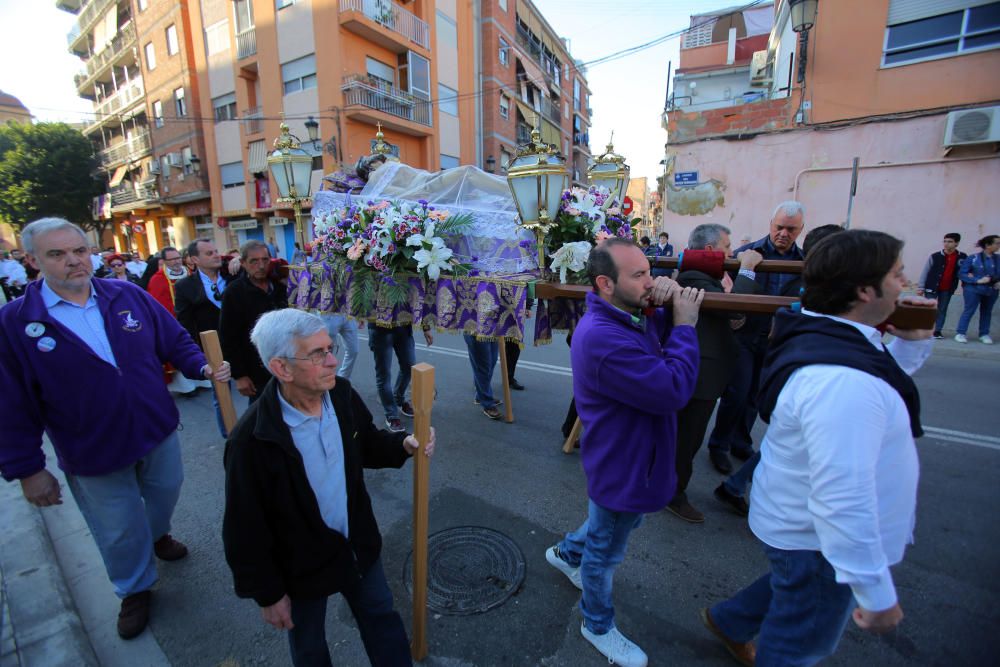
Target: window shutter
(903, 11)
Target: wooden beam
(422, 378)
(213, 352)
(504, 374)
(904, 317)
(733, 265)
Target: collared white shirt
(838, 470)
(321, 445)
(85, 321)
(207, 283)
(136, 267)
(13, 271)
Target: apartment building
(530, 78)
(908, 87)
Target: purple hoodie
(629, 380)
(100, 418)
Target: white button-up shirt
(838, 470)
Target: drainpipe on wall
(477, 49)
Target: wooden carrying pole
(423, 399)
(733, 265)
(213, 352)
(904, 317)
(505, 375)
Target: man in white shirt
(834, 495)
(136, 266)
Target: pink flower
(356, 250)
(602, 235)
(438, 215)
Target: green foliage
(45, 170)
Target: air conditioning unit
(154, 167)
(972, 126)
(174, 159)
(760, 69)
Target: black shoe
(134, 615)
(169, 549)
(736, 503)
(514, 384)
(406, 408)
(721, 461)
(938, 335)
(742, 454)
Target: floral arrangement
(384, 240)
(583, 220)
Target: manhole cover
(470, 570)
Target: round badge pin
(35, 329)
(46, 344)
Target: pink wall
(915, 203)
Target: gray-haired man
(298, 523)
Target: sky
(627, 95)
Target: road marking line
(964, 441)
(962, 434)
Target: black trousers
(513, 354)
(692, 422)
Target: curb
(41, 623)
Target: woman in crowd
(980, 276)
(119, 271)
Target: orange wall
(703, 56)
(847, 80)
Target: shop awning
(118, 176)
(257, 157)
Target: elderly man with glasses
(298, 524)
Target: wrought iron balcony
(100, 61)
(86, 21)
(140, 193)
(390, 16)
(121, 101)
(246, 43)
(373, 93)
(253, 120)
(523, 134)
(126, 151)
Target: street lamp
(312, 127)
(537, 177)
(803, 14)
(610, 171)
(491, 164)
(291, 168)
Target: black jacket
(194, 310)
(716, 339)
(275, 540)
(242, 306)
(933, 271)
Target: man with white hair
(737, 410)
(298, 524)
(69, 335)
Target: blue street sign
(685, 178)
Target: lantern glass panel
(302, 173)
(280, 173)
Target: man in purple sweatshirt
(634, 368)
(81, 359)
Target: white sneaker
(556, 561)
(616, 647)
(960, 338)
(985, 340)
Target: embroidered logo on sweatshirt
(129, 323)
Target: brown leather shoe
(167, 548)
(744, 653)
(134, 615)
(686, 511)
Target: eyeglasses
(116, 264)
(317, 357)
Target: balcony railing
(133, 149)
(374, 93)
(253, 120)
(118, 102)
(549, 66)
(88, 17)
(99, 61)
(246, 43)
(550, 110)
(132, 194)
(393, 17)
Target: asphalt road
(515, 479)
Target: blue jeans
(382, 342)
(381, 628)
(597, 547)
(737, 411)
(798, 611)
(736, 483)
(218, 410)
(943, 299)
(984, 302)
(348, 330)
(129, 509)
(483, 356)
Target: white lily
(570, 257)
(428, 235)
(434, 259)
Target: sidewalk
(59, 607)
